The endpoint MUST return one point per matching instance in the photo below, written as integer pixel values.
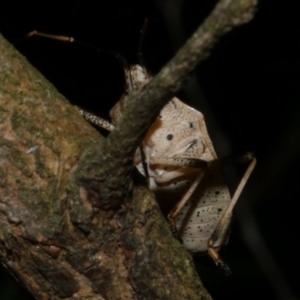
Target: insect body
(185, 173)
(179, 136)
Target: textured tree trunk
(76, 220)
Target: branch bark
(71, 224)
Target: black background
(248, 90)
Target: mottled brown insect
(184, 171)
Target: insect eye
(169, 137)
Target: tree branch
(57, 173)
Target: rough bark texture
(71, 226)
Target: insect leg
(227, 215)
(181, 162)
(179, 206)
(230, 160)
(103, 123)
(95, 119)
(62, 38)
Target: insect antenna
(70, 39)
(141, 42)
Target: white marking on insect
(184, 170)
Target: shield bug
(186, 174)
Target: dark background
(248, 90)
